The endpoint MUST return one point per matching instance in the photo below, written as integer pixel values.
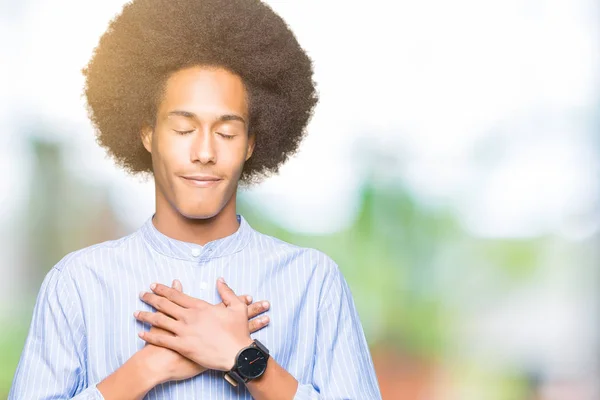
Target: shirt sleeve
(52, 364)
(343, 366)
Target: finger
(176, 297)
(160, 339)
(257, 308)
(244, 298)
(227, 295)
(163, 305)
(158, 320)
(258, 323)
(177, 286)
(160, 330)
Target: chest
(112, 330)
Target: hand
(207, 334)
(170, 365)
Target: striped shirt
(83, 327)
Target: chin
(193, 206)
(199, 212)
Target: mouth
(201, 181)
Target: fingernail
(135, 314)
(249, 299)
(142, 293)
(141, 334)
(153, 286)
(264, 320)
(265, 304)
(221, 280)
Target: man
(203, 95)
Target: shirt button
(203, 285)
(195, 252)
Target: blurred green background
(451, 170)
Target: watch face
(252, 363)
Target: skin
(181, 367)
(196, 100)
(201, 129)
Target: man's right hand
(168, 365)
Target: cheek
(232, 155)
(172, 153)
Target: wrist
(231, 360)
(149, 370)
(250, 364)
(131, 380)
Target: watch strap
(261, 346)
(234, 378)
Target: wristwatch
(250, 363)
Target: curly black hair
(152, 39)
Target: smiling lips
(201, 181)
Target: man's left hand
(206, 334)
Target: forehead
(205, 91)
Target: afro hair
(152, 39)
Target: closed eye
(183, 132)
(221, 134)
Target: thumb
(227, 295)
(177, 285)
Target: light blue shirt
(83, 327)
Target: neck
(173, 224)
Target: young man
(203, 95)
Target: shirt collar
(181, 250)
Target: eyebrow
(222, 118)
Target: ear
(146, 136)
(251, 142)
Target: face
(200, 141)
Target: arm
(132, 380)
(52, 362)
(343, 366)
(211, 336)
(146, 369)
(153, 365)
(275, 383)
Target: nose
(203, 148)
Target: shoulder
(67, 278)
(292, 255)
(92, 256)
